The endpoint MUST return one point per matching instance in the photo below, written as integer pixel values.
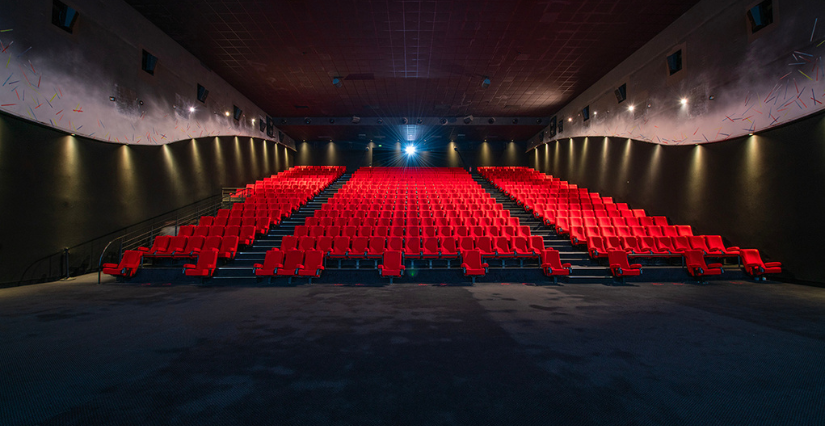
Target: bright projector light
(410, 149)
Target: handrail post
(66, 255)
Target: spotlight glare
(410, 149)
(683, 101)
(191, 109)
(630, 108)
(227, 113)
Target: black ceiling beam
(423, 121)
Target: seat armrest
(566, 265)
(715, 265)
(485, 265)
(464, 265)
(110, 265)
(734, 248)
(636, 266)
(257, 266)
(615, 266)
(773, 264)
(188, 266)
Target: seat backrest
(485, 244)
(289, 242)
(216, 231)
(537, 243)
(684, 230)
(377, 244)
(472, 258)
(301, 230)
(206, 221)
(430, 245)
(751, 257)
(340, 244)
(274, 258)
(695, 258)
(207, 259)
(186, 230)
(618, 257)
(448, 245)
(177, 244)
(161, 243)
(697, 243)
(551, 257)
(324, 243)
(131, 259)
(212, 243)
(193, 243)
(360, 244)
(229, 244)
(313, 259)
(413, 244)
(714, 242)
(292, 259)
(392, 259)
(502, 244)
(395, 243)
(519, 243)
(236, 230)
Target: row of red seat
(708, 245)
(413, 231)
(292, 263)
(245, 233)
(181, 247)
(412, 221)
(580, 235)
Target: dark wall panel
(765, 191)
(59, 191)
(391, 154)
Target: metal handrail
(130, 237)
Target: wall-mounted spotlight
(539, 120)
(468, 119)
(379, 121)
(410, 149)
(515, 121)
(683, 101)
(337, 81)
(404, 120)
(569, 119)
(331, 121)
(112, 98)
(191, 109)
(419, 121)
(443, 121)
(631, 108)
(491, 120)
(356, 120)
(307, 121)
(485, 83)
(226, 113)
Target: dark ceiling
(411, 58)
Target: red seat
(397, 231)
(412, 247)
(289, 242)
(206, 221)
(340, 247)
(202, 230)
(684, 230)
(619, 265)
(449, 248)
(186, 230)
(755, 267)
(176, 246)
(429, 248)
(324, 244)
(228, 248)
(412, 231)
(358, 248)
(212, 243)
(159, 245)
(292, 261)
(507, 231)
(484, 245)
(462, 231)
(217, 230)
(128, 265)
(192, 248)
(395, 243)
(696, 266)
(502, 248)
(236, 230)
(717, 247)
(466, 243)
(312, 265)
(551, 264)
(380, 231)
(206, 265)
(376, 247)
(246, 235)
(596, 248)
(521, 248)
(301, 230)
(680, 244)
(472, 264)
(430, 231)
(273, 260)
(697, 242)
(349, 231)
(630, 244)
(331, 231)
(392, 264)
(536, 244)
(306, 243)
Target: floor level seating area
(611, 230)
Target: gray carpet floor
(726, 353)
